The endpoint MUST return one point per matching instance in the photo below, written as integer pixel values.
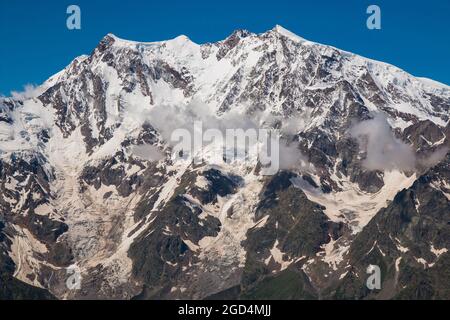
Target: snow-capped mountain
(88, 182)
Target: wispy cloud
(386, 152)
(383, 150)
(29, 91)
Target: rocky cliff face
(364, 177)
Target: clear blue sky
(35, 42)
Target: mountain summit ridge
(278, 29)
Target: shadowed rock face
(73, 192)
(293, 225)
(416, 222)
(33, 178)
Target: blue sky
(35, 42)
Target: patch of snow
(437, 252)
(397, 263)
(334, 254)
(277, 256)
(400, 247)
(361, 204)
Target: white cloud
(291, 157)
(383, 150)
(29, 91)
(434, 158)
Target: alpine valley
(88, 181)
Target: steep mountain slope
(89, 181)
(409, 241)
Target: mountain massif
(89, 184)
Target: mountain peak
(241, 33)
(180, 39)
(286, 33)
(112, 35)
